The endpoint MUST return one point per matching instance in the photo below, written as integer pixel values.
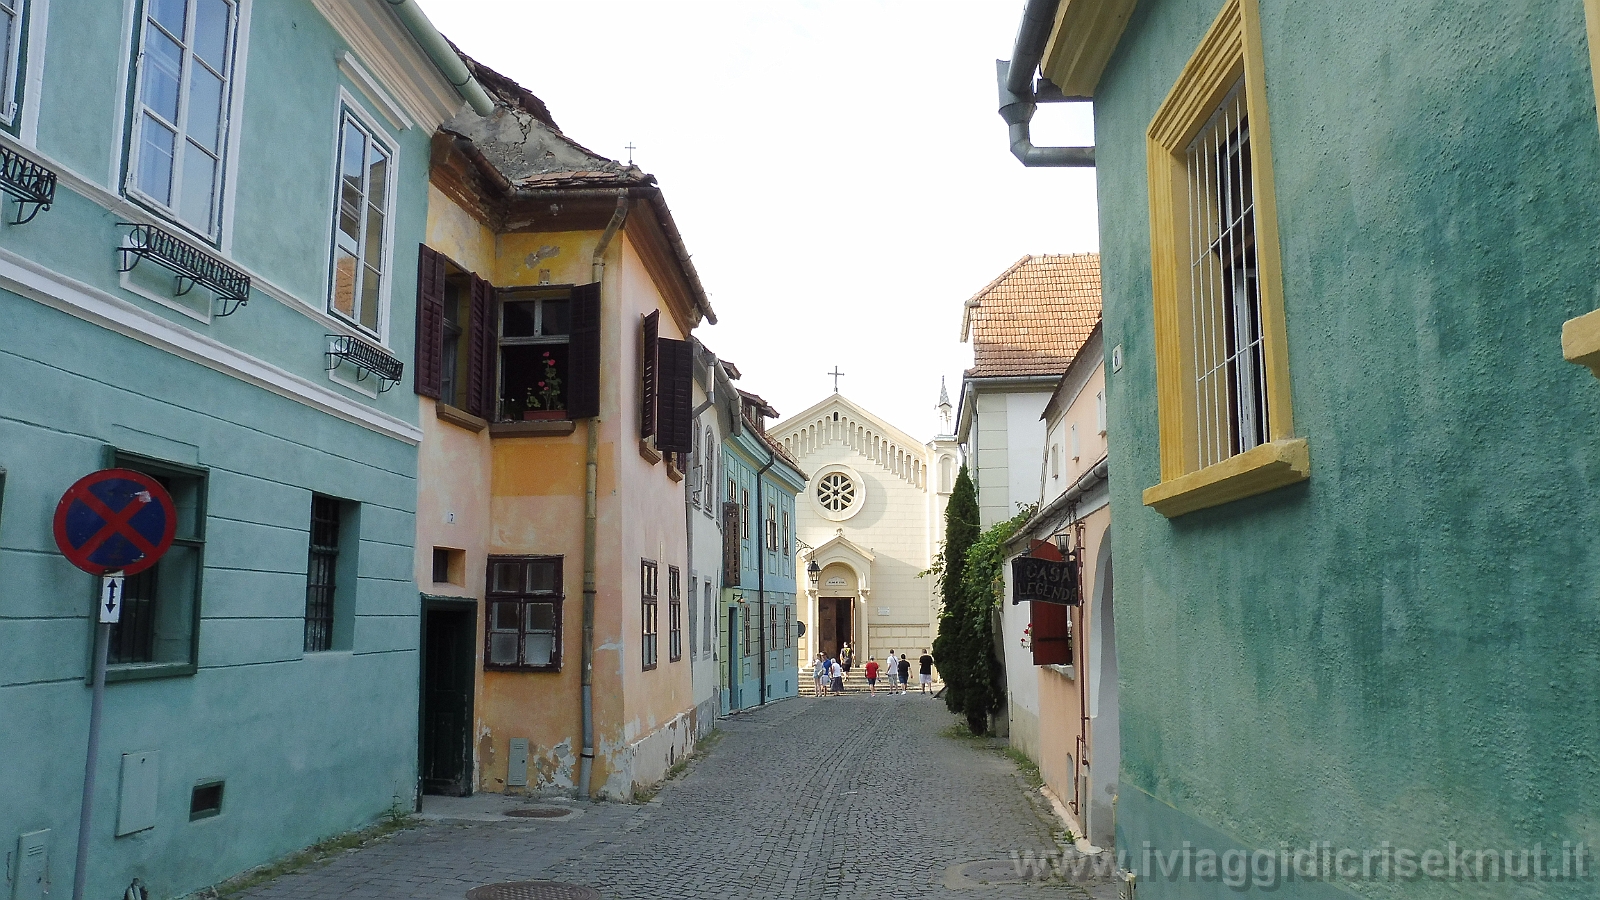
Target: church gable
(836, 423)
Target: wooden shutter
(583, 353)
(429, 369)
(730, 545)
(674, 400)
(648, 373)
(482, 348)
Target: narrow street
(844, 797)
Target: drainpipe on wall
(1018, 97)
(591, 472)
(761, 575)
(443, 55)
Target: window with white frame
(11, 18)
(1100, 411)
(1073, 442)
(361, 218)
(185, 65)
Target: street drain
(533, 890)
(538, 812)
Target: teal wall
(743, 457)
(309, 744)
(1403, 648)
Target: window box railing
(30, 183)
(191, 265)
(367, 360)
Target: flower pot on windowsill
(541, 415)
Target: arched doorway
(837, 589)
(1106, 742)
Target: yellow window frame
(1580, 337)
(1231, 50)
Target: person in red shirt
(872, 674)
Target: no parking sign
(115, 520)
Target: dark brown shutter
(674, 400)
(583, 353)
(730, 545)
(483, 346)
(648, 372)
(429, 369)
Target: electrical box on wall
(517, 763)
(136, 804)
(32, 867)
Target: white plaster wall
(705, 565)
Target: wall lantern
(813, 572)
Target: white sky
(837, 169)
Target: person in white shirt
(838, 677)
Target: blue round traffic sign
(115, 520)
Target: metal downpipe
(591, 470)
(761, 577)
(443, 55)
(1018, 99)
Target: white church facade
(871, 518)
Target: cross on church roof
(630, 148)
(836, 373)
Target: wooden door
(828, 627)
(448, 664)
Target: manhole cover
(538, 812)
(533, 890)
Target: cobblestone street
(844, 797)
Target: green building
(214, 284)
(1352, 473)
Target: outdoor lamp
(813, 572)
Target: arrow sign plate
(111, 598)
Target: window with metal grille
(786, 540)
(650, 631)
(708, 620)
(322, 573)
(525, 597)
(788, 626)
(749, 645)
(1225, 298)
(674, 616)
(159, 629)
(183, 74)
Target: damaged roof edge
(444, 56)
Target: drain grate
(538, 812)
(533, 890)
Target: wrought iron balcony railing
(367, 359)
(32, 184)
(191, 265)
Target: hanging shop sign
(1044, 581)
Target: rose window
(836, 492)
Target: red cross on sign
(115, 520)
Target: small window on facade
(535, 337)
(361, 216)
(772, 528)
(786, 540)
(525, 597)
(749, 646)
(744, 514)
(674, 616)
(184, 67)
(322, 574)
(772, 626)
(788, 626)
(205, 800)
(11, 15)
(694, 615)
(649, 627)
(708, 622)
(161, 605)
(1072, 438)
(1055, 460)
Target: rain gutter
(1019, 96)
(444, 56)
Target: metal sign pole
(109, 606)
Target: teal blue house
(1349, 276)
(207, 274)
(758, 625)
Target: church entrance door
(836, 624)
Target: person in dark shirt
(905, 671)
(925, 668)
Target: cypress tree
(952, 647)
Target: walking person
(847, 658)
(905, 671)
(872, 676)
(819, 673)
(891, 670)
(838, 677)
(925, 668)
